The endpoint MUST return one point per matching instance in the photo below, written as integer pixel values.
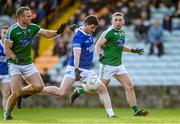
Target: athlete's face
(26, 17)
(90, 28)
(3, 32)
(117, 22)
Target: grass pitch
(90, 116)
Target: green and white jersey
(113, 47)
(22, 40)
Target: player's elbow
(7, 50)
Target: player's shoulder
(81, 34)
(32, 25)
(12, 28)
(109, 30)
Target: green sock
(135, 109)
(81, 90)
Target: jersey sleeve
(77, 42)
(36, 28)
(9, 36)
(105, 35)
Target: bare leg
(104, 96)
(62, 90)
(36, 84)
(6, 92)
(129, 88)
(16, 92)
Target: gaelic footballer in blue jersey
(4, 77)
(84, 42)
(80, 65)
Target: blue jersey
(85, 42)
(3, 61)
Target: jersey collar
(116, 29)
(21, 26)
(81, 30)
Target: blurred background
(150, 24)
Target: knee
(129, 88)
(62, 93)
(102, 88)
(6, 94)
(16, 94)
(38, 88)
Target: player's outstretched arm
(73, 27)
(136, 51)
(98, 48)
(53, 33)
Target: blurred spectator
(40, 12)
(145, 7)
(176, 17)
(101, 27)
(60, 47)
(106, 15)
(155, 35)
(66, 60)
(35, 46)
(141, 27)
(177, 11)
(12, 20)
(133, 12)
(167, 23)
(8, 8)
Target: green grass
(90, 116)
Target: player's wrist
(76, 69)
(100, 55)
(133, 50)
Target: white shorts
(107, 72)
(25, 70)
(4, 79)
(85, 73)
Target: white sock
(110, 112)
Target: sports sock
(135, 109)
(81, 90)
(7, 114)
(110, 112)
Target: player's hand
(78, 74)
(101, 57)
(19, 60)
(73, 27)
(138, 51)
(61, 29)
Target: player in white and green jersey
(110, 47)
(18, 48)
(22, 41)
(113, 48)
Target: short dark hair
(91, 19)
(21, 10)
